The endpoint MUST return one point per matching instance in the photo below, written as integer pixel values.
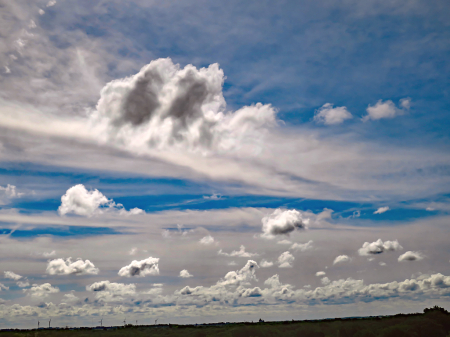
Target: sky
(197, 161)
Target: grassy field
(434, 322)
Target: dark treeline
(434, 322)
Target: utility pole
(156, 321)
(136, 322)
(125, 321)
(49, 323)
(38, 324)
(101, 322)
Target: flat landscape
(433, 322)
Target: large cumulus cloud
(141, 268)
(283, 222)
(111, 291)
(165, 106)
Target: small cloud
(265, 264)
(325, 281)
(41, 11)
(381, 210)
(133, 251)
(78, 200)
(430, 209)
(284, 242)
(67, 267)
(285, 260)
(185, 274)
(51, 3)
(232, 263)
(320, 273)
(282, 222)
(23, 284)
(50, 254)
(386, 109)
(207, 240)
(238, 253)
(302, 247)
(213, 197)
(40, 291)
(341, 259)
(411, 256)
(378, 247)
(12, 276)
(141, 268)
(382, 263)
(331, 116)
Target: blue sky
(149, 149)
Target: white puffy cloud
(330, 116)
(411, 256)
(341, 259)
(3, 287)
(265, 264)
(378, 247)
(285, 260)
(207, 240)
(41, 291)
(302, 247)
(282, 222)
(78, 200)
(23, 284)
(67, 267)
(325, 280)
(284, 242)
(238, 253)
(166, 107)
(12, 276)
(381, 210)
(141, 268)
(185, 274)
(8, 192)
(51, 3)
(111, 291)
(320, 273)
(386, 109)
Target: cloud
(141, 268)
(341, 259)
(411, 256)
(302, 247)
(78, 200)
(67, 267)
(386, 109)
(239, 253)
(378, 247)
(282, 222)
(284, 242)
(185, 274)
(40, 291)
(166, 107)
(8, 192)
(12, 276)
(51, 3)
(381, 210)
(207, 240)
(23, 284)
(265, 264)
(3, 287)
(325, 281)
(285, 260)
(49, 254)
(320, 273)
(111, 291)
(331, 116)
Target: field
(434, 322)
